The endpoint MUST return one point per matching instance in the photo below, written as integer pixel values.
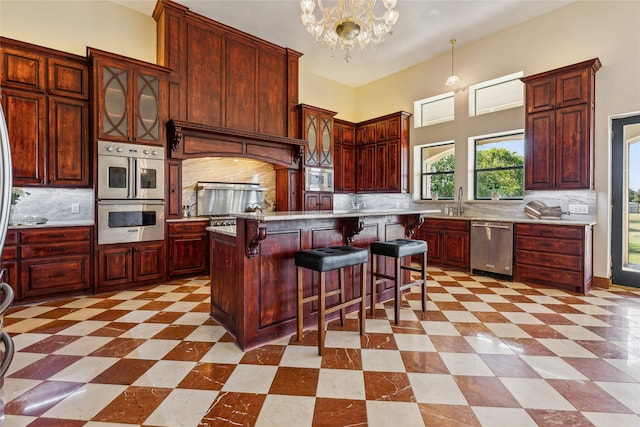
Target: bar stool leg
(321, 310)
(374, 266)
(398, 284)
(424, 282)
(343, 311)
(363, 294)
(300, 304)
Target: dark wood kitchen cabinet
(55, 261)
(317, 201)
(131, 99)
(344, 146)
(123, 265)
(382, 154)
(188, 248)
(316, 127)
(448, 242)
(554, 255)
(174, 188)
(559, 129)
(45, 98)
(10, 262)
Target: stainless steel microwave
(318, 179)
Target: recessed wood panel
(240, 85)
(204, 77)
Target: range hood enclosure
(223, 198)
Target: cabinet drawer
(12, 238)
(187, 227)
(44, 277)
(550, 245)
(56, 235)
(55, 249)
(546, 259)
(9, 252)
(549, 276)
(554, 231)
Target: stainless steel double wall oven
(130, 192)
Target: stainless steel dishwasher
(492, 247)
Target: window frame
(474, 141)
(417, 109)
(475, 88)
(424, 174)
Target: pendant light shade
(452, 80)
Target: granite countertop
(49, 224)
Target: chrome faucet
(460, 209)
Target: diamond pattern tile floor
(487, 353)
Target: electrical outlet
(75, 208)
(579, 209)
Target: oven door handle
(133, 177)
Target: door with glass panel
(625, 201)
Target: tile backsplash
(55, 203)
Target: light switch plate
(75, 208)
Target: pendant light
(453, 80)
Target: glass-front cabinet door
(114, 110)
(148, 98)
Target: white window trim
(417, 109)
(493, 82)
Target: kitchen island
(253, 273)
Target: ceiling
(423, 30)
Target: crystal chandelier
(349, 23)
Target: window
(497, 94)
(437, 169)
(436, 109)
(499, 166)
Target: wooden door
(174, 193)
(114, 266)
(456, 248)
(572, 148)
(364, 171)
(433, 237)
(149, 261)
(540, 151)
(25, 114)
(68, 148)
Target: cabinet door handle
(56, 236)
(56, 249)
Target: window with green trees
(437, 170)
(499, 166)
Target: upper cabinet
(317, 129)
(382, 154)
(130, 99)
(344, 148)
(225, 78)
(559, 127)
(45, 98)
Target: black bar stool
(329, 259)
(398, 249)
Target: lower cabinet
(554, 255)
(318, 201)
(54, 261)
(10, 262)
(447, 241)
(121, 265)
(188, 248)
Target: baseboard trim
(601, 282)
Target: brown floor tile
(190, 351)
(156, 305)
(587, 396)
(195, 298)
(342, 358)
(505, 307)
(518, 299)
(204, 307)
(552, 319)
(490, 317)
(467, 298)
(379, 341)
(339, 412)
(265, 355)
(234, 409)
(133, 406)
(56, 422)
(611, 333)
(472, 329)
(124, 371)
(46, 367)
(451, 344)
(39, 399)
(448, 415)
(433, 316)
(113, 329)
(110, 315)
(207, 376)
(504, 365)
(56, 313)
(541, 331)
(561, 308)
(389, 386)
(598, 369)
(605, 349)
(423, 362)
(53, 327)
(167, 317)
(407, 327)
(486, 391)
(175, 332)
(450, 306)
(50, 344)
(295, 381)
(527, 346)
(550, 418)
(118, 347)
(105, 303)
